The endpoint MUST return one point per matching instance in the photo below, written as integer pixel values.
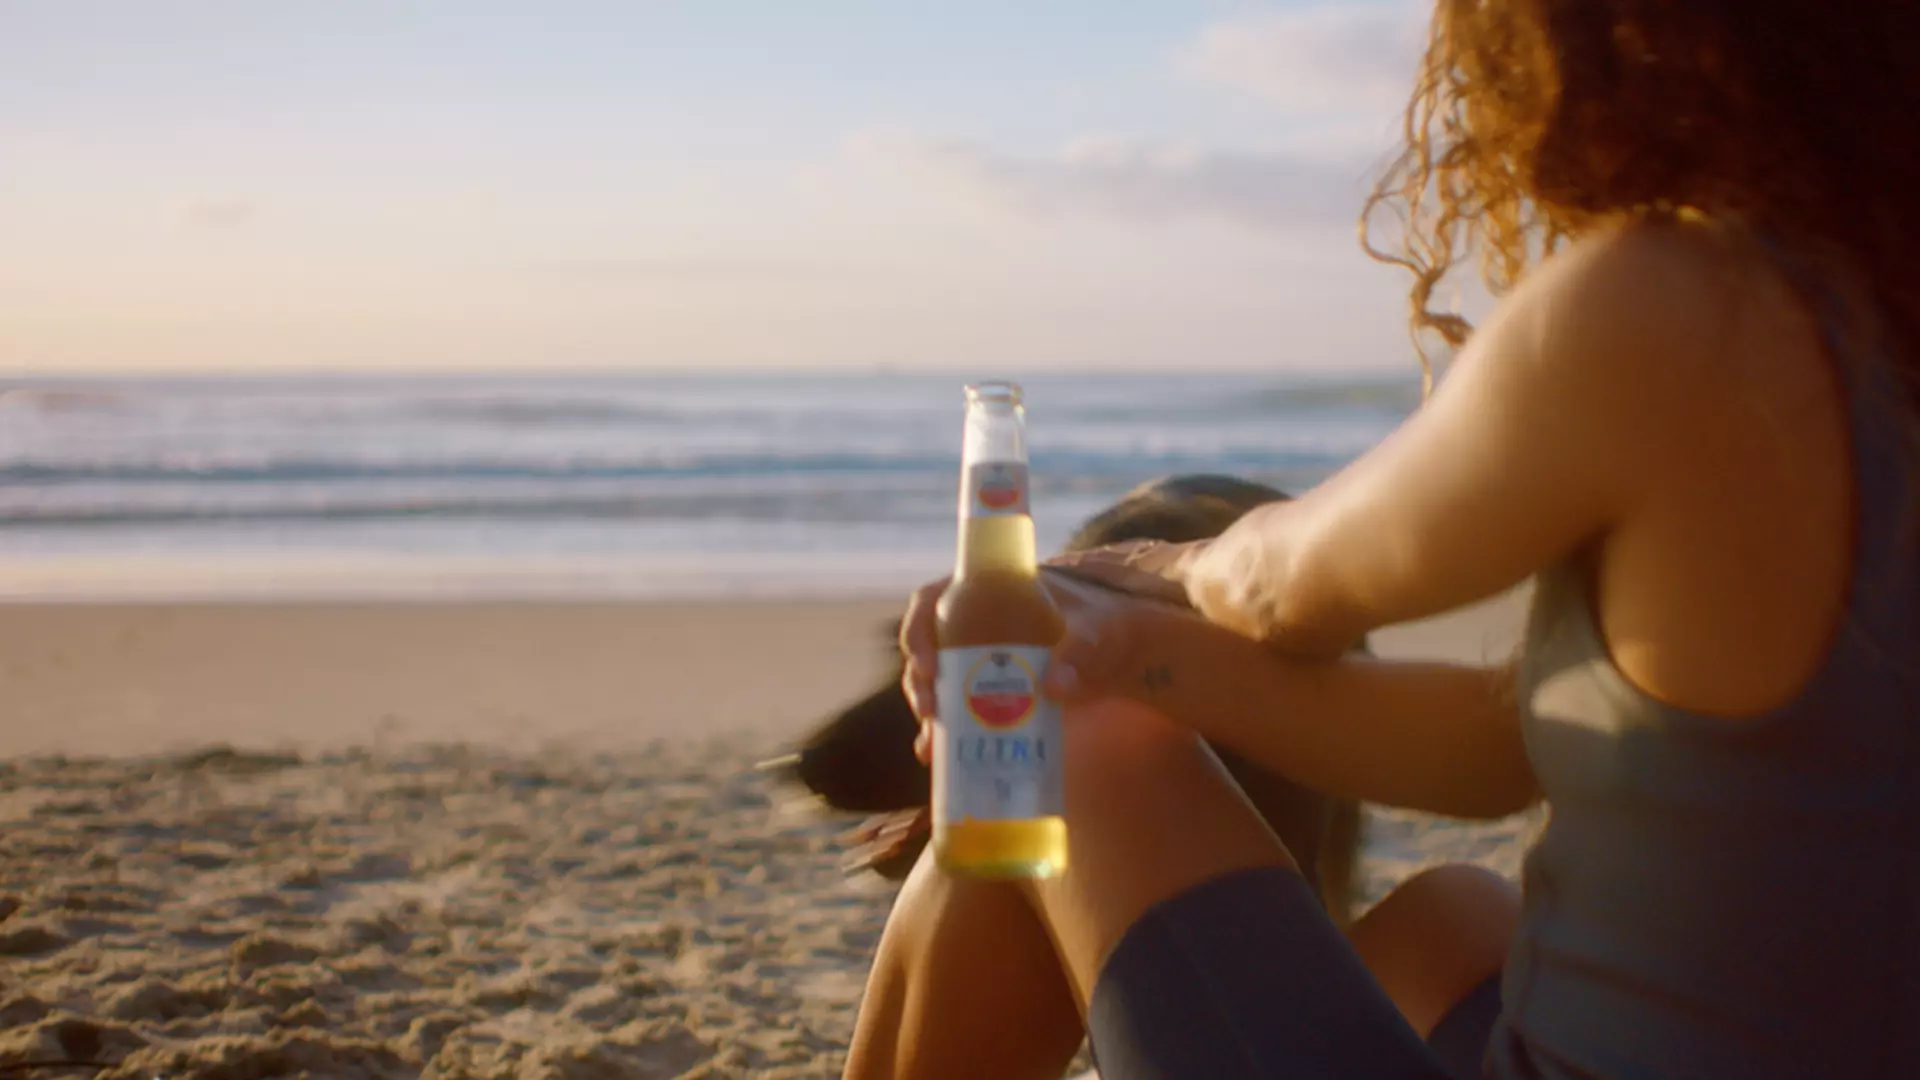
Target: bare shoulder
(1617, 376)
(1658, 327)
(1668, 305)
(1692, 362)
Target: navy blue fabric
(1460, 1038)
(1244, 977)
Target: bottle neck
(996, 523)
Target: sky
(702, 185)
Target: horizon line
(1411, 369)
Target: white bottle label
(998, 741)
(994, 489)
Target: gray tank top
(1732, 900)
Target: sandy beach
(459, 840)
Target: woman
(1694, 426)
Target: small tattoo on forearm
(1157, 678)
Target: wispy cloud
(1332, 59)
(216, 215)
(1142, 181)
(1338, 72)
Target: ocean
(594, 485)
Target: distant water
(593, 485)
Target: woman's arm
(1441, 738)
(1566, 410)
(1557, 420)
(1560, 415)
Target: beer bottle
(997, 782)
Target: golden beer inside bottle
(1033, 848)
(996, 599)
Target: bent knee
(1441, 933)
(1467, 898)
(1120, 749)
(1121, 733)
(1137, 780)
(1468, 910)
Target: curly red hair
(1534, 120)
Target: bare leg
(969, 982)
(1436, 937)
(1151, 813)
(965, 983)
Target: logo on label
(999, 490)
(1001, 691)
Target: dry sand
(92, 678)
(457, 840)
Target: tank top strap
(1884, 431)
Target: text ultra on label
(1000, 738)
